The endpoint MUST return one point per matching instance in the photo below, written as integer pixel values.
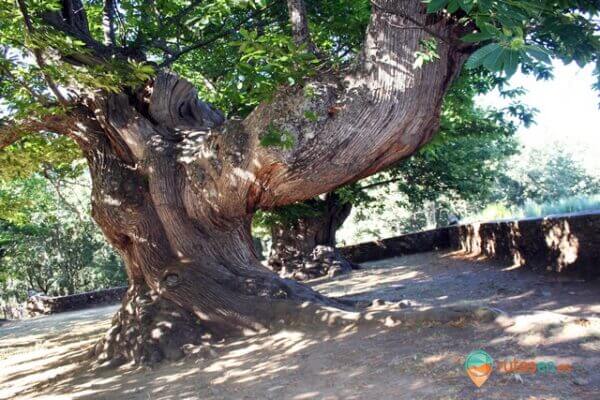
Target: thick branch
(11, 132)
(96, 52)
(108, 22)
(70, 123)
(299, 22)
(74, 14)
(418, 24)
(366, 121)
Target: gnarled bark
(175, 185)
(306, 248)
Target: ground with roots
(551, 318)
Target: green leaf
(511, 61)
(476, 59)
(453, 6)
(466, 5)
(435, 5)
(538, 53)
(477, 37)
(493, 61)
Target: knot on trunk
(172, 279)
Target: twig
(381, 183)
(56, 186)
(222, 34)
(38, 55)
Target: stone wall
(563, 243)
(49, 305)
(397, 246)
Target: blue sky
(568, 112)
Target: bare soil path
(552, 319)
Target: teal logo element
(479, 366)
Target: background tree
(175, 183)
(462, 163)
(303, 235)
(546, 175)
(49, 242)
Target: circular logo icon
(478, 366)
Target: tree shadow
(552, 320)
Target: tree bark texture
(306, 248)
(175, 185)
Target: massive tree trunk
(175, 186)
(306, 248)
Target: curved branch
(365, 121)
(70, 123)
(11, 132)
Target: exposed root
(301, 266)
(148, 329)
(313, 316)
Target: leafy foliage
(49, 246)
(545, 176)
(527, 32)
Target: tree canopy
(237, 52)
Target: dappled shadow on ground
(551, 320)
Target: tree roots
(148, 329)
(322, 261)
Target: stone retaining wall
(564, 243)
(418, 242)
(49, 305)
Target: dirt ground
(551, 319)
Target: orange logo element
(478, 366)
